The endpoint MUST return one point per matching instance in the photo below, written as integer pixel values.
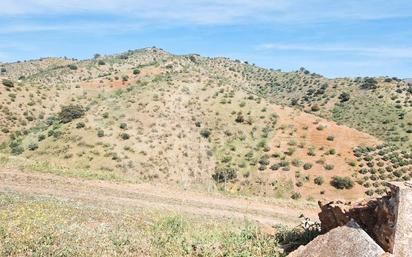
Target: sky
(329, 37)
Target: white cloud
(393, 52)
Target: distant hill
(209, 123)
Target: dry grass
(39, 227)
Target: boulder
(377, 217)
(349, 240)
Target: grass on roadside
(44, 227)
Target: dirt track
(146, 196)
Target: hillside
(208, 124)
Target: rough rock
(345, 241)
(377, 217)
(402, 198)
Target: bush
(344, 97)
(224, 174)
(369, 83)
(70, 112)
(15, 147)
(100, 133)
(205, 133)
(123, 125)
(41, 137)
(329, 167)
(315, 108)
(275, 166)
(101, 62)
(330, 138)
(33, 146)
(125, 136)
(341, 182)
(7, 83)
(72, 67)
(240, 118)
(80, 125)
(136, 71)
(296, 196)
(307, 166)
(319, 180)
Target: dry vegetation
(208, 123)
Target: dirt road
(146, 196)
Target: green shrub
(330, 138)
(72, 67)
(100, 133)
(315, 108)
(224, 174)
(7, 83)
(239, 118)
(101, 62)
(125, 136)
(296, 196)
(33, 146)
(136, 71)
(205, 133)
(319, 180)
(80, 125)
(70, 112)
(15, 147)
(341, 182)
(307, 166)
(344, 97)
(274, 166)
(123, 125)
(329, 167)
(41, 137)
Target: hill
(207, 124)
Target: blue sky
(333, 38)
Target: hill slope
(208, 123)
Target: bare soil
(117, 196)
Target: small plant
(33, 146)
(315, 108)
(205, 133)
(80, 125)
(70, 112)
(344, 97)
(239, 118)
(7, 83)
(330, 138)
(123, 125)
(307, 166)
(341, 182)
(296, 196)
(100, 133)
(125, 136)
(224, 174)
(72, 67)
(329, 166)
(319, 180)
(41, 137)
(136, 71)
(15, 147)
